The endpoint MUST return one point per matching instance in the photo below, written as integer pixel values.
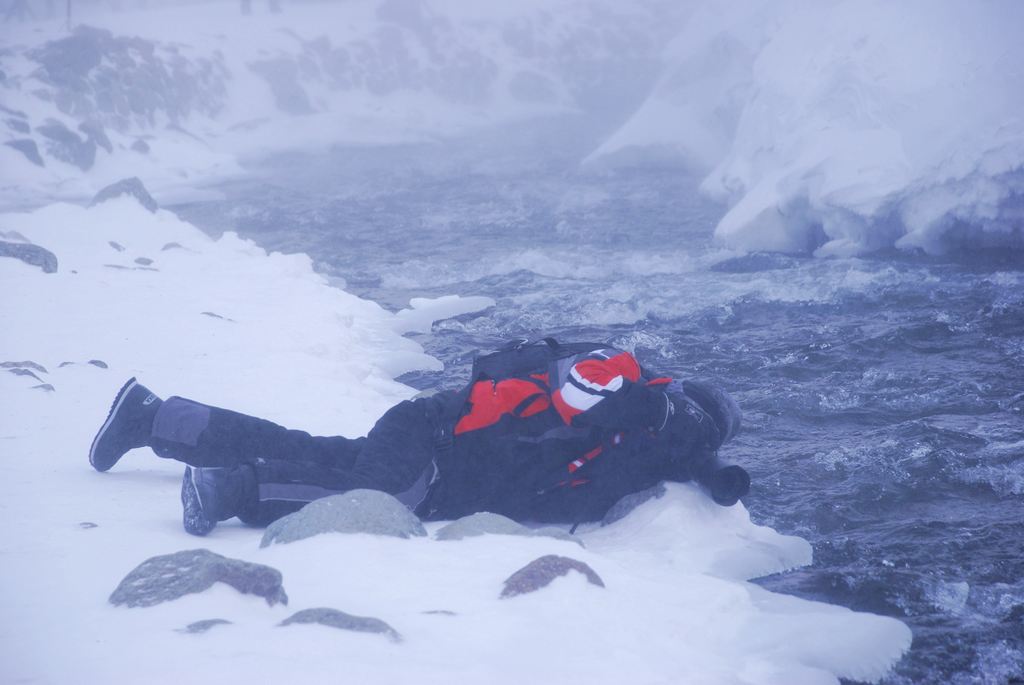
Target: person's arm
(606, 388)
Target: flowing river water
(883, 396)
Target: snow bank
(222, 321)
(847, 126)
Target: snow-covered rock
(542, 571)
(342, 621)
(358, 511)
(170, 576)
(843, 126)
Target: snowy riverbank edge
(220, 320)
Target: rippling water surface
(883, 397)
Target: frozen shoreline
(220, 321)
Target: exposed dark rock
(540, 572)
(99, 362)
(24, 365)
(282, 75)
(63, 364)
(624, 506)
(141, 146)
(27, 147)
(45, 387)
(88, 524)
(440, 612)
(171, 246)
(126, 186)
(30, 254)
(94, 131)
(170, 576)
(68, 146)
(343, 621)
(127, 83)
(118, 266)
(204, 625)
(24, 372)
(18, 126)
(117, 246)
(144, 261)
(13, 112)
(357, 511)
(486, 523)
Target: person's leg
(205, 436)
(397, 457)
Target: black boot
(210, 495)
(127, 426)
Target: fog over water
(819, 208)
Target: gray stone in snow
(144, 261)
(24, 365)
(486, 523)
(342, 621)
(204, 625)
(627, 504)
(45, 387)
(356, 511)
(117, 246)
(141, 146)
(99, 362)
(170, 576)
(18, 126)
(540, 572)
(27, 147)
(32, 255)
(171, 246)
(13, 112)
(127, 186)
(68, 146)
(24, 372)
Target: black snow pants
(292, 467)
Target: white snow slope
(846, 126)
(225, 323)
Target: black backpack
(523, 357)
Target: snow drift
(138, 292)
(845, 127)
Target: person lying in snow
(543, 432)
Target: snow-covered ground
(224, 322)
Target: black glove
(633, 406)
(689, 427)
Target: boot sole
(118, 401)
(193, 520)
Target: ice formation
(845, 127)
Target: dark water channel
(882, 396)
